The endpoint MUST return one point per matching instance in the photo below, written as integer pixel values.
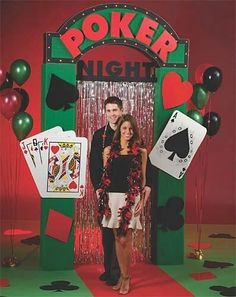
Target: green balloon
(199, 96)
(22, 124)
(20, 71)
(195, 115)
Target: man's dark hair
(114, 100)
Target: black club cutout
(224, 291)
(222, 235)
(169, 216)
(59, 286)
(216, 264)
(31, 240)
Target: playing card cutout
(58, 225)
(17, 232)
(222, 235)
(224, 291)
(31, 240)
(61, 93)
(177, 144)
(199, 276)
(215, 264)
(175, 91)
(57, 161)
(59, 286)
(66, 172)
(169, 216)
(4, 282)
(32, 149)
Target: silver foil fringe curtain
(137, 100)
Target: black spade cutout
(169, 216)
(61, 93)
(59, 286)
(31, 240)
(8, 82)
(215, 264)
(222, 235)
(178, 144)
(224, 291)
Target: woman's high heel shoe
(118, 285)
(125, 285)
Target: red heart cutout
(73, 185)
(175, 91)
(55, 149)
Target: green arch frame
(59, 61)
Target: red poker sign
(118, 24)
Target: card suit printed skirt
(116, 201)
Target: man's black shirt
(101, 139)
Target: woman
(122, 184)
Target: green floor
(27, 277)
(222, 250)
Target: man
(101, 139)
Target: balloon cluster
(208, 80)
(14, 101)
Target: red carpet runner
(147, 281)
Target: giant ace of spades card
(177, 144)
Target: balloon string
(204, 170)
(204, 166)
(5, 181)
(10, 183)
(196, 199)
(17, 161)
(209, 109)
(200, 183)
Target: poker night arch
(130, 26)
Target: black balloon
(8, 83)
(212, 78)
(212, 122)
(25, 98)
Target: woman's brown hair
(127, 118)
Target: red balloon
(199, 72)
(2, 76)
(10, 103)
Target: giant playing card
(177, 144)
(57, 161)
(66, 167)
